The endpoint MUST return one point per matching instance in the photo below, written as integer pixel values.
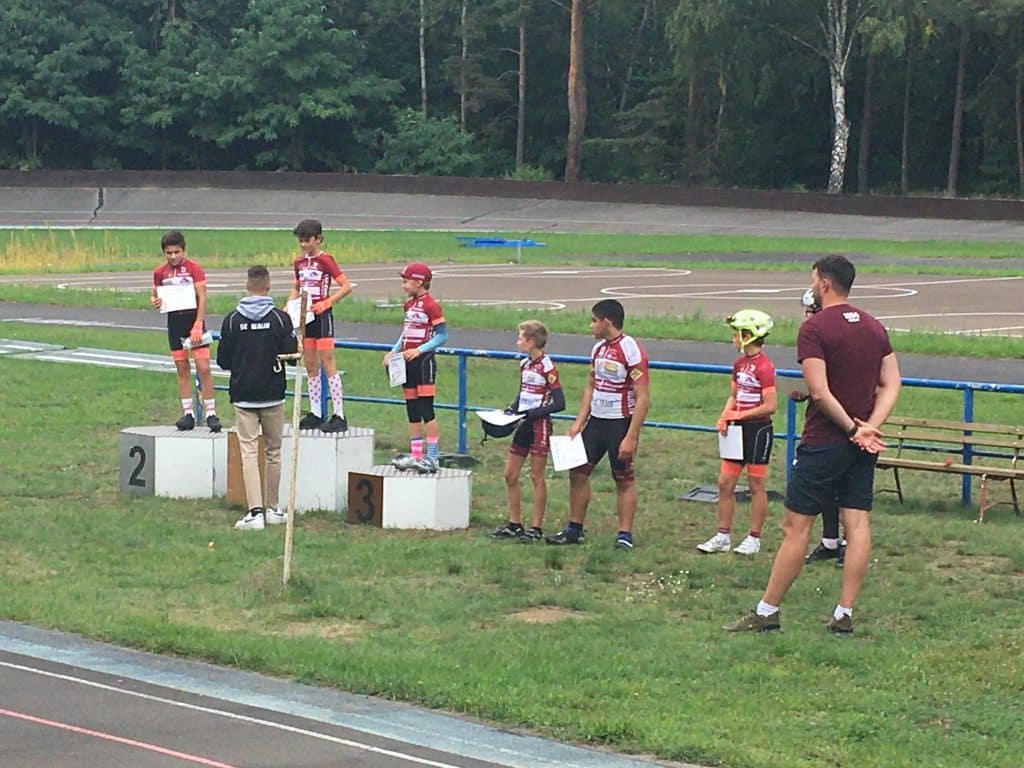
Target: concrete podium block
(325, 460)
(390, 498)
(163, 461)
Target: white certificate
(174, 298)
(567, 452)
(293, 308)
(500, 418)
(396, 369)
(730, 445)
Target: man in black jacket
(251, 338)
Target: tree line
(886, 96)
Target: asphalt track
(69, 702)
(253, 208)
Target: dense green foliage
(720, 92)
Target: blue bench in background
(499, 242)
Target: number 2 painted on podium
(134, 479)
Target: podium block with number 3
(389, 498)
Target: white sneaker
(403, 462)
(717, 543)
(253, 521)
(275, 516)
(749, 546)
(426, 466)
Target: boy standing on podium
(186, 328)
(315, 270)
(423, 331)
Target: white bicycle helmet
(809, 303)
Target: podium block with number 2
(389, 498)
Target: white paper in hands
(567, 452)
(396, 369)
(730, 445)
(174, 298)
(293, 308)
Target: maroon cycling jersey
(752, 376)
(852, 344)
(537, 379)
(186, 272)
(422, 316)
(616, 367)
(313, 275)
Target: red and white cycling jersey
(616, 366)
(752, 375)
(422, 315)
(313, 275)
(537, 379)
(185, 273)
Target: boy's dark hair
(258, 278)
(609, 309)
(308, 228)
(174, 237)
(839, 270)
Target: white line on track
(233, 716)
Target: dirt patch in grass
(547, 614)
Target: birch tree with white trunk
(839, 22)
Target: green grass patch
(76, 250)
(588, 644)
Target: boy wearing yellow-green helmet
(750, 404)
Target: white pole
(289, 529)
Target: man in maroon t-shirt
(853, 380)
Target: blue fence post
(965, 480)
(325, 393)
(790, 435)
(197, 397)
(463, 402)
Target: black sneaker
(821, 552)
(507, 531)
(624, 541)
(310, 421)
(752, 622)
(566, 536)
(186, 422)
(841, 557)
(335, 424)
(531, 535)
(841, 626)
(213, 422)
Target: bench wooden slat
(885, 462)
(958, 426)
(908, 436)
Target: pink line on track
(118, 739)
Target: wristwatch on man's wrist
(852, 430)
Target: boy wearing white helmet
(751, 404)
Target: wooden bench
(988, 451)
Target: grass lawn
(587, 643)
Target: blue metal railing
(790, 436)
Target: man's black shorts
(179, 326)
(321, 326)
(601, 436)
(825, 474)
